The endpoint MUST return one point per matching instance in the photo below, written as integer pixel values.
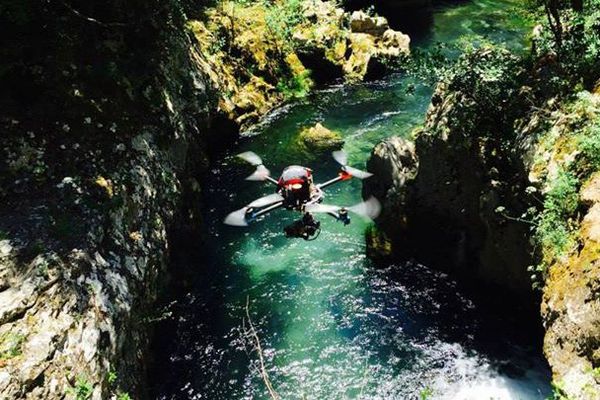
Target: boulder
(393, 163)
(320, 139)
(439, 208)
(361, 22)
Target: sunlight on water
(332, 325)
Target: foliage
(282, 18)
(82, 390)
(111, 377)
(10, 345)
(557, 223)
(558, 392)
(589, 145)
(488, 81)
(295, 85)
(554, 229)
(426, 393)
(572, 56)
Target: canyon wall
(500, 188)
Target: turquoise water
(331, 323)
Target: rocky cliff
(445, 188)
(105, 117)
(261, 54)
(500, 188)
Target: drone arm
(273, 181)
(343, 176)
(267, 210)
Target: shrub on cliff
(487, 81)
(566, 48)
(567, 157)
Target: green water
(332, 324)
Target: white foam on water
(472, 377)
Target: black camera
(305, 228)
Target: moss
(106, 185)
(379, 245)
(567, 156)
(318, 139)
(10, 345)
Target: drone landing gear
(307, 228)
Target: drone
(296, 191)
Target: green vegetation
(568, 47)
(426, 393)
(282, 17)
(10, 345)
(558, 222)
(111, 377)
(82, 390)
(296, 85)
(588, 142)
(488, 80)
(555, 226)
(558, 392)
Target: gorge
(118, 279)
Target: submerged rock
(319, 139)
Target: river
(332, 324)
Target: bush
(295, 85)
(488, 81)
(555, 231)
(589, 144)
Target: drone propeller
(237, 218)
(266, 200)
(261, 173)
(251, 157)
(368, 209)
(342, 158)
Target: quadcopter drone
(296, 191)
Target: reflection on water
(332, 325)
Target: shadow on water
(332, 324)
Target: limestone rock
(320, 139)
(393, 163)
(361, 22)
(590, 193)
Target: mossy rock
(319, 139)
(379, 245)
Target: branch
(90, 19)
(263, 370)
